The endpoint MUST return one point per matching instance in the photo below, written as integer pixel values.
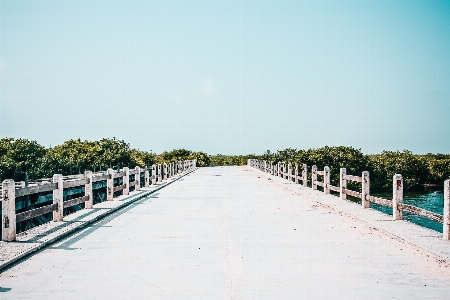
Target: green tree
(18, 156)
(413, 168)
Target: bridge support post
(446, 223)
(279, 169)
(314, 177)
(397, 197)
(164, 172)
(343, 183)
(58, 197)
(159, 173)
(146, 177)
(326, 180)
(137, 178)
(305, 175)
(110, 185)
(88, 190)
(153, 174)
(126, 181)
(8, 211)
(289, 175)
(296, 173)
(365, 189)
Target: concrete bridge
(226, 233)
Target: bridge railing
(396, 203)
(116, 180)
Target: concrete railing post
(88, 190)
(342, 183)
(126, 181)
(296, 174)
(8, 211)
(314, 177)
(58, 197)
(289, 175)
(326, 180)
(153, 175)
(279, 169)
(365, 189)
(305, 175)
(137, 178)
(159, 174)
(397, 197)
(165, 172)
(110, 185)
(146, 177)
(446, 223)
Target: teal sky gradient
(232, 77)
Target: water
(431, 199)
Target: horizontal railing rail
(36, 212)
(396, 203)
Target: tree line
(18, 156)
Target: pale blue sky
(231, 77)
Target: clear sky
(228, 77)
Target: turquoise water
(429, 199)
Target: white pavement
(228, 233)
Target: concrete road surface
(224, 233)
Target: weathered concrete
(231, 233)
(88, 190)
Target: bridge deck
(225, 233)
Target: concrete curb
(82, 224)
